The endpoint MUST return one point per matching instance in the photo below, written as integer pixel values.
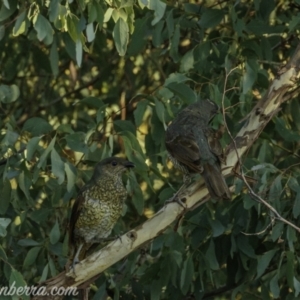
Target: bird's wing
(76, 209)
(186, 151)
(214, 143)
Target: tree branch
(194, 196)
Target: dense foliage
(82, 80)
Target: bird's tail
(215, 182)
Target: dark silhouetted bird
(194, 147)
(98, 206)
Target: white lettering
(12, 290)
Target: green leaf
(217, 227)
(136, 194)
(290, 268)
(54, 9)
(121, 36)
(70, 45)
(177, 257)
(32, 147)
(90, 32)
(43, 158)
(296, 286)
(10, 138)
(124, 125)
(295, 108)
(265, 8)
(296, 206)
(54, 233)
(211, 18)
(285, 132)
(134, 151)
(176, 78)
(159, 8)
(183, 91)
(2, 32)
(76, 141)
(129, 15)
(20, 24)
(291, 237)
(165, 94)
(138, 39)
(245, 247)
(6, 12)
(37, 126)
(274, 287)
(157, 37)
(58, 167)
(170, 23)
(211, 256)
(249, 78)
(139, 112)
(100, 14)
(64, 128)
(155, 290)
(166, 194)
(71, 176)
(40, 215)
(187, 275)
(192, 8)
(16, 280)
(4, 222)
(295, 20)
(44, 274)
(93, 102)
(24, 183)
(78, 50)
(51, 266)
(54, 59)
(275, 192)
(8, 93)
(263, 262)
(5, 196)
(5, 2)
(187, 61)
(31, 256)
(108, 14)
(277, 231)
(73, 27)
(43, 28)
(126, 3)
(28, 242)
(92, 12)
(3, 255)
(175, 43)
(160, 110)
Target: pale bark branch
(280, 90)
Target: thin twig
(261, 232)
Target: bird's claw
(74, 263)
(176, 199)
(113, 238)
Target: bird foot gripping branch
(179, 197)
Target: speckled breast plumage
(102, 207)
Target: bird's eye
(114, 163)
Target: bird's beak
(128, 164)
